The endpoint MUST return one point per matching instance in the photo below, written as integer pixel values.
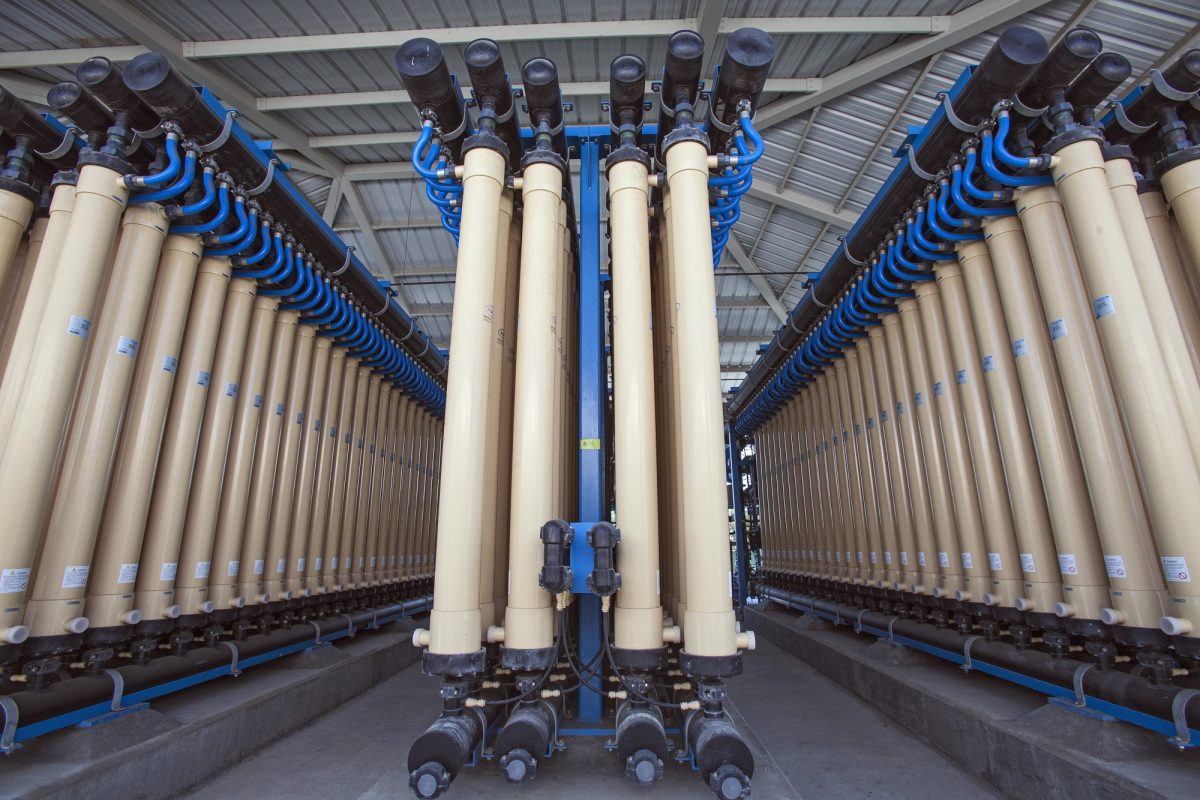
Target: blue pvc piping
(215, 222)
(166, 175)
(175, 189)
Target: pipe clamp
(267, 180)
(118, 689)
(64, 147)
(967, 666)
(8, 743)
(1183, 734)
(233, 665)
(952, 116)
(223, 136)
(1077, 684)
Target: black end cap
(627, 81)
(713, 667)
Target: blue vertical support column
(741, 556)
(592, 399)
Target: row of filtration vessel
(504, 633)
(210, 422)
(985, 414)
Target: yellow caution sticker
(589, 444)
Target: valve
(604, 580)
(556, 575)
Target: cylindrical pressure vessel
(316, 566)
(638, 623)
(116, 561)
(709, 630)
(528, 618)
(299, 527)
(216, 324)
(454, 622)
(27, 464)
(91, 436)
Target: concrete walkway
(812, 739)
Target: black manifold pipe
(108, 82)
(724, 758)
(18, 119)
(83, 691)
(745, 64)
(489, 82)
(1008, 64)
(1113, 686)
(680, 80)
(151, 77)
(543, 96)
(80, 106)
(441, 752)
(426, 78)
(524, 739)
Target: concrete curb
(185, 739)
(1006, 735)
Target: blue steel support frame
(593, 394)
(741, 555)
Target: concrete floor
(812, 739)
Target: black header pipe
(1065, 61)
(18, 119)
(1181, 78)
(749, 53)
(106, 80)
(489, 82)
(1013, 58)
(151, 77)
(680, 81)
(1098, 80)
(1114, 686)
(80, 106)
(543, 100)
(626, 99)
(426, 78)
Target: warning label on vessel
(1115, 565)
(127, 346)
(231, 390)
(944, 560)
(1103, 306)
(299, 565)
(989, 363)
(967, 561)
(78, 326)
(995, 562)
(1066, 564)
(127, 573)
(169, 363)
(1020, 348)
(167, 571)
(918, 399)
(258, 566)
(887, 557)
(1058, 329)
(317, 563)
(281, 565)
(1028, 564)
(233, 569)
(202, 568)
(13, 580)
(1176, 569)
(904, 558)
(203, 377)
(920, 559)
(961, 377)
(75, 577)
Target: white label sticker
(919, 399)
(168, 571)
(989, 363)
(299, 565)
(860, 556)
(887, 557)
(258, 401)
(231, 390)
(127, 346)
(372, 562)
(1115, 565)
(1019, 348)
(961, 377)
(202, 569)
(333, 563)
(874, 557)
(920, 559)
(1027, 563)
(317, 563)
(259, 564)
(127, 573)
(967, 561)
(1103, 306)
(232, 570)
(1176, 569)
(360, 562)
(13, 580)
(899, 409)
(904, 558)
(75, 577)
(944, 560)
(78, 326)
(279, 409)
(281, 565)
(1066, 564)
(1058, 329)
(995, 562)
(203, 377)
(169, 363)
(938, 391)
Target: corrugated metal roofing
(848, 135)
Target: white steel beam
(570, 89)
(734, 246)
(375, 252)
(803, 204)
(67, 56)
(27, 89)
(979, 18)
(640, 28)
(333, 200)
(141, 28)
